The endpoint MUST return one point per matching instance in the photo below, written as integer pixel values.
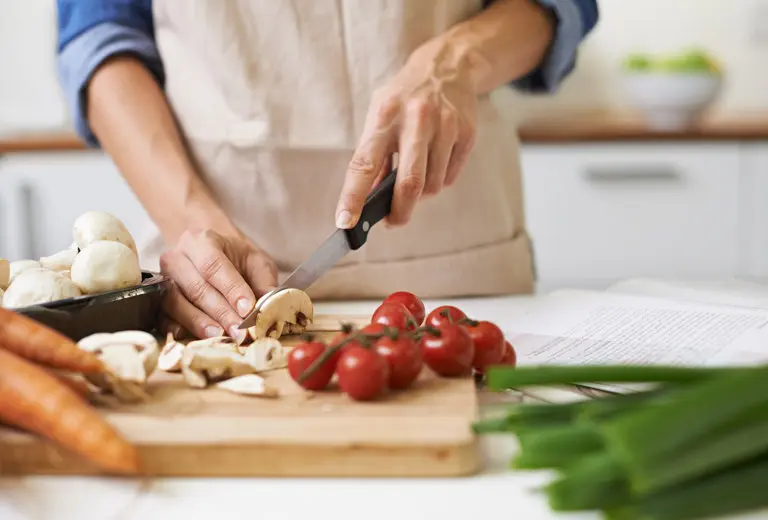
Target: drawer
(599, 213)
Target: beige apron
(272, 95)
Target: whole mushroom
(19, 266)
(61, 261)
(38, 285)
(95, 226)
(282, 312)
(5, 273)
(105, 266)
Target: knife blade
(377, 206)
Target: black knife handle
(377, 206)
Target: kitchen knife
(377, 206)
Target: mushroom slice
(2, 296)
(19, 266)
(38, 285)
(265, 354)
(219, 342)
(249, 384)
(61, 261)
(204, 365)
(290, 307)
(5, 273)
(130, 356)
(170, 356)
(105, 266)
(95, 226)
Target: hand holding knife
(342, 241)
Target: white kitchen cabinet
(43, 194)
(602, 212)
(754, 210)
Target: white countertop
(496, 490)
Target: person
(250, 130)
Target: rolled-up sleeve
(574, 20)
(91, 31)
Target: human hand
(427, 114)
(218, 279)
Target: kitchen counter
(496, 490)
(561, 129)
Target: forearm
(500, 44)
(130, 116)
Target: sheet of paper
(589, 327)
(733, 292)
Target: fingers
(415, 137)
(261, 273)
(196, 304)
(440, 152)
(206, 252)
(368, 160)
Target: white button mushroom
(5, 273)
(131, 357)
(61, 261)
(19, 266)
(203, 365)
(38, 285)
(266, 354)
(282, 312)
(105, 266)
(94, 226)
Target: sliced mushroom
(219, 342)
(38, 285)
(265, 354)
(204, 365)
(105, 266)
(130, 356)
(249, 384)
(2, 295)
(170, 356)
(61, 261)
(19, 266)
(287, 307)
(96, 226)
(5, 273)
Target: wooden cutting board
(424, 431)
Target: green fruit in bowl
(637, 62)
(694, 61)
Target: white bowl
(671, 100)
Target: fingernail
(344, 219)
(237, 334)
(244, 306)
(213, 332)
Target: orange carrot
(34, 400)
(36, 342)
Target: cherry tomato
(450, 352)
(436, 318)
(404, 358)
(362, 373)
(414, 305)
(489, 343)
(510, 356)
(395, 315)
(302, 356)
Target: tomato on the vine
(404, 357)
(445, 314)
(301, 358)
(362, 373)
(510, 356)
(489, 343)
(448, 350)
(395, 315)
(411, 302)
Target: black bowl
(134, 308)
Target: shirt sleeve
(91, 31)
(574, 20)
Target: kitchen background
(607, 196)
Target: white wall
(734, 30)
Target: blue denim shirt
(90, 31)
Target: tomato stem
(468, 322)
(446, 313)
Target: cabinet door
(49, 191)
(754, 211)
(600, 213)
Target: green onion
(596, 482)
